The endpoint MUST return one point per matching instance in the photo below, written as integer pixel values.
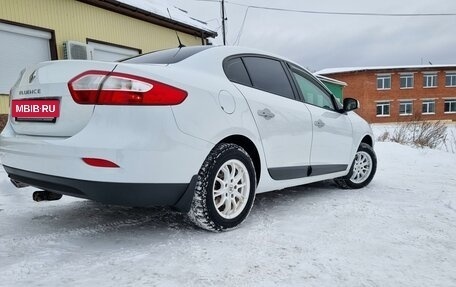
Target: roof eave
(385, 69)
(137, 13)
(330, 80)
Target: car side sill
(293, 172)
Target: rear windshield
(169, 56)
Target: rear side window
(268, 75)
(236, 72)
(169, 56)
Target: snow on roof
(160, 7)
(359, 69)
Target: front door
(332, 139)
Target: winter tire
(362, 170)
(225, 189)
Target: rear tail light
(111, 88)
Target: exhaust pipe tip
(18, 184)
(44, 195)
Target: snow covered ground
(399, 231)
(448, 145)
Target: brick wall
(3, 120)
(362, 85)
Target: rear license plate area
(35, 110)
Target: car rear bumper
(178, 195)
(146, 145)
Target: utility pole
(223, 22)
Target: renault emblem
(32, 77)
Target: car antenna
(177, 35)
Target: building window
(450, 79)
(383, 82)
(406, 108)
(406, 81)
(428, 107)
(450, 106)
(383, 109)
(430, 80)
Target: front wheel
(362, 170)
(225, 189)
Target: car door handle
(319, 123)
(266, 113)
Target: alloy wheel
(231, 189)
(362, 167)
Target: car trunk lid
(41, 102)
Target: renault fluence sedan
(202, 129)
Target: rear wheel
(362, 170)
(225, 189)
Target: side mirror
(350, 104)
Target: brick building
(401, 93)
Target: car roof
(176, 55)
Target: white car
(201, 129)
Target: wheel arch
(367, 139)
(250, 148)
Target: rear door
(332, 130)
(283, 122)
(20, 46)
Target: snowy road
(399, 231)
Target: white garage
(107, 52)
(21, 46)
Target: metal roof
(156, 12)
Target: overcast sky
(326, 41)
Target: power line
(345, 13)
(238, 37)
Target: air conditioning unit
(73, 50)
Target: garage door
(106, 52)
(19, 48)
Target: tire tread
(345, 182)
(199, 212)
